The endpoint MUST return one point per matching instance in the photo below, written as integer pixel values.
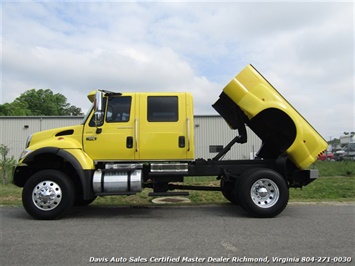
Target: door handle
(91, 138)
(129, 142)
(136, 132)
(188, 133)
(181, 141)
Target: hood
(63, 137)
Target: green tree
(39, 102)
(14, 109)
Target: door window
(118, 109)
(163, 109)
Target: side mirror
(98, 109)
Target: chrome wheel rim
(264, 193)
(46, 195)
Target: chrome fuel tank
(112, 181)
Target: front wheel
(48, 194)
(262, 193)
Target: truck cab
(140, 127)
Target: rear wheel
(48, 194)
(262, 193)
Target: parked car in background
(349, 151)
(339, 155)
(327, 156)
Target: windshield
(87, 114)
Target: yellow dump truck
(132, 141)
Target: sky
(304, 49)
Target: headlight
(28, 141)
(24, 154)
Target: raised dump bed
(249, 98)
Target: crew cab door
(165, 126)
(114, 139)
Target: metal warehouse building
(211, 134)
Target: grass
(10, 195)
(326, 189)
(342, 168)
(336, 183)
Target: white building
(211, 134)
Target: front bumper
(20, 173)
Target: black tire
(228, 191)
(48, 195)
(262, 193)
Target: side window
(163, 109)
(118, 109)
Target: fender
(84, 168)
